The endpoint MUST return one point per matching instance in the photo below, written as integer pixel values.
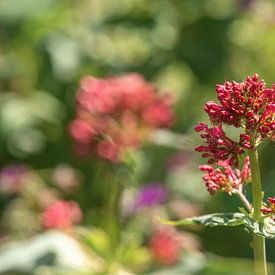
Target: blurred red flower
(61, 215)
(117, 113)
(165, 246)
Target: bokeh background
(185, 47)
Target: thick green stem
(113, 214)
(258, 241)
(110, 191)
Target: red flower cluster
(116, 113)
(165, 246)
(249, 105)
(271, 208)
(61, 215)
(226, 179)
(220, 147)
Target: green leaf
(215, 219)
(265, 228)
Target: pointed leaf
(215, 219)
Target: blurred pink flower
(165, 246)
(61, 215)
(117, 113)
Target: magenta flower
(151, 195)
(117, 113)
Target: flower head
(116, 113)
(225, 178)
(219, 147)
(248, 104)
(61, 215)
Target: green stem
(258, 241)
(113, 214)
(242, 197)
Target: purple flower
(151, 195)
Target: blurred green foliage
(184, 46)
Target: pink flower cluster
(225, 178)
(271, 208)
(61, 215)
(248, 104)
(218, 146)
(116, 113)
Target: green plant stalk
(113, 214)
(258, 241)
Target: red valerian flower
(61, 215)
(116, 113)
(248, 104)
(225, 178)
(220, 147)
(165, 246)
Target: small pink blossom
(225, 178)
(61, 215)
(220, 147)
(165, 246)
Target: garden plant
(250, 106)
(111, 162)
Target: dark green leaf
(215, 219)
(266, 228)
